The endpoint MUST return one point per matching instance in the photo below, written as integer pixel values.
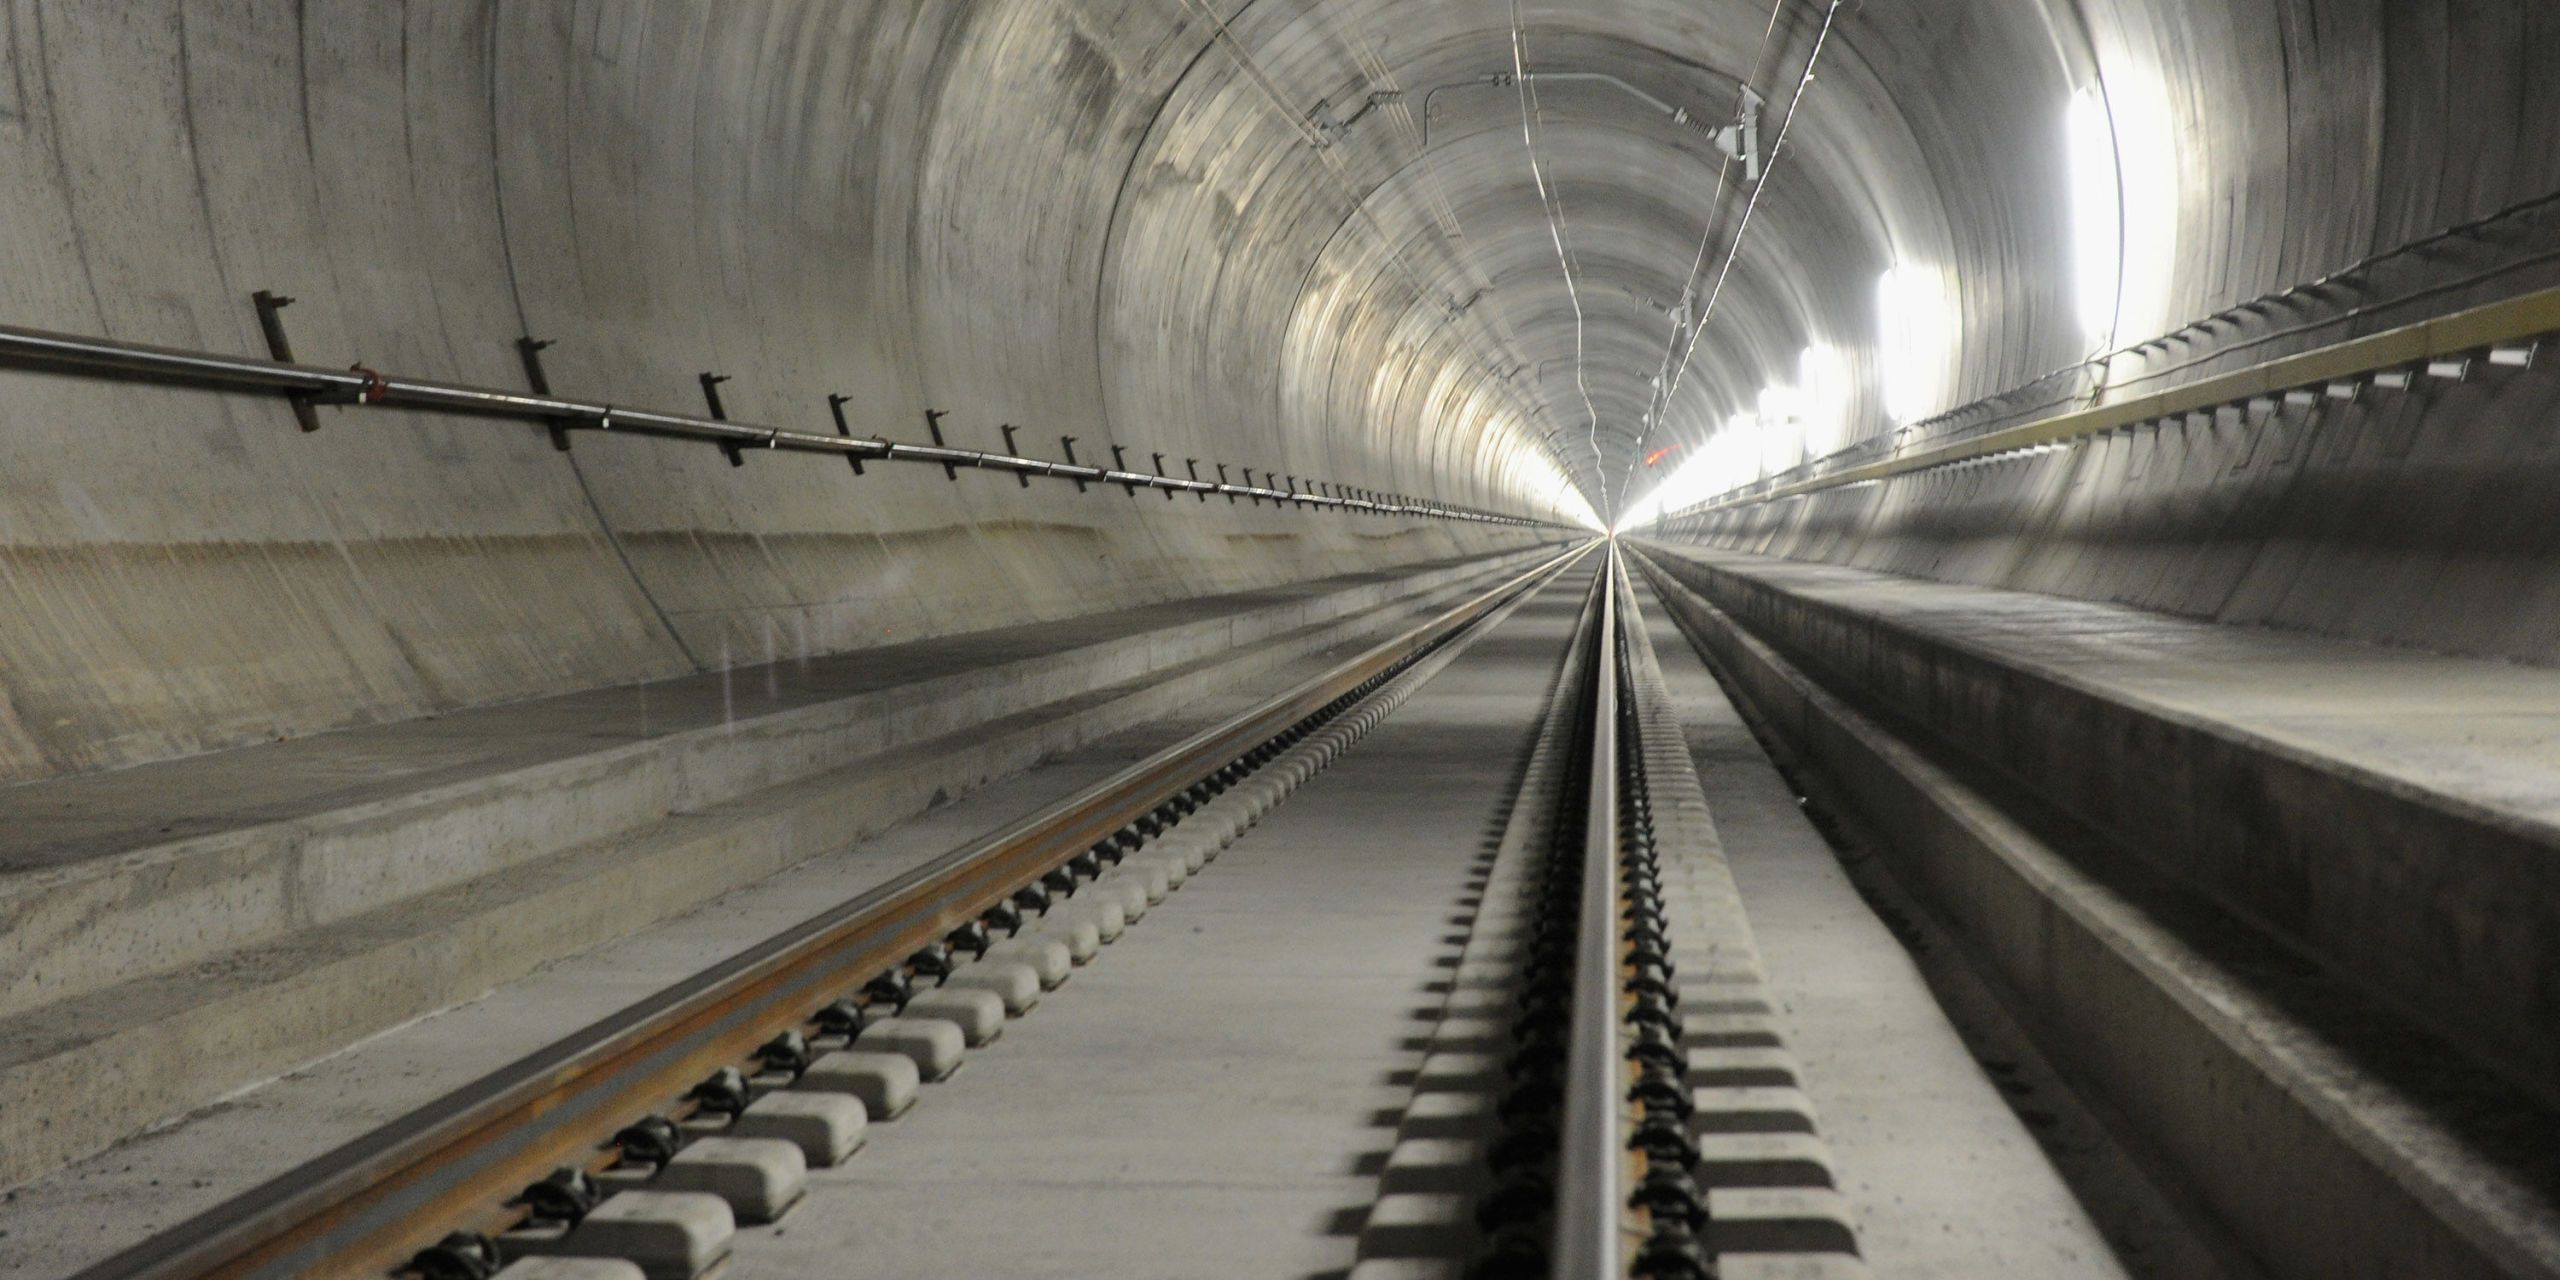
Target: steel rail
(367, 1207)
(46, 351)
(1591, 1158)
(2526, 317)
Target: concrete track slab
(1948, 1179)
(51, 1227)
(2479, 734)
(138, 985)
(2394, 814)
(61, 821)
(1207, 1098)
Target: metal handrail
(47, 351)
(1592, 1153)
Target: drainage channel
(639, 1145)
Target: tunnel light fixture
(2097, 212)
(2519, 356)
(2454, 369)
(1915, 333)
(1781, 427)
(2124, 203)
(2344, 392)
(1827, 398)
(2393, 379)
(2302, 397)
(2260, 407)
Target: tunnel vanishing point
(1368, 639)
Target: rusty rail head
(365, 1208)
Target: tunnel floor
(1218, 1093)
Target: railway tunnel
(1304, 638)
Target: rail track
(1647, 1121)
(639, 1144)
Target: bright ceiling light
(1780, 427)
(1828, 397)
(2097, 213)
(1727, 461)
(1915, 339)
(2124, 206)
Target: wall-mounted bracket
(1068, 444)
(1014, 450)
(835, 405)
(719, 412)
(529, 350)
(1331, 128)
(933, 426)
(271, 324)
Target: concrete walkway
(1947, 1179)
(79, 1214)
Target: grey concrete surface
(2326, 1136)
(1200, 1100)
(109, 876)
(51, 1226)
(1154, 224)
(911, 204)
(180, 972)
(1305, 235)
(2395, 814)
(1923, 1135)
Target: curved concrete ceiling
(1910, 129)
(1929, 134)
(1209, 230)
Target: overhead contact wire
(1656, 404)
(1551, 206)
(1317, 143)
(1768, 171)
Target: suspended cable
(1225, 38)
(1552, 206)
(1743, 94)
(1768, 171)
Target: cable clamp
(376, 388)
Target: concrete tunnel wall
(944, 205)
(1209, 229)
(2310, 136)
